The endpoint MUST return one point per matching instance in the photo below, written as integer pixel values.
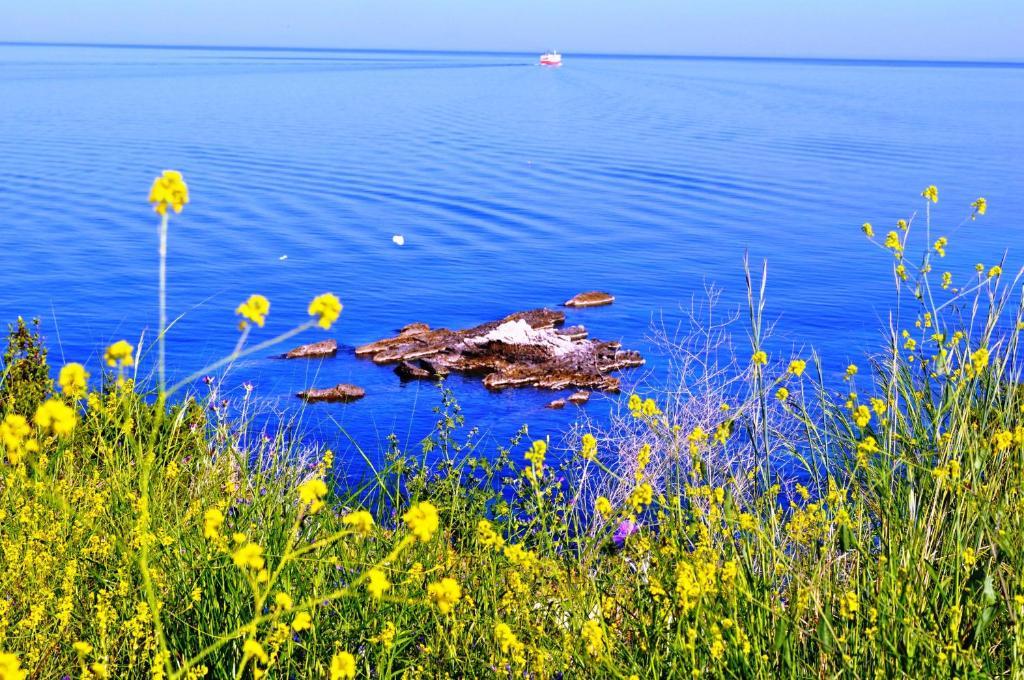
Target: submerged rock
(525, 349)
(343, 392)
(593, 298)
(324, 348)
(557, 403)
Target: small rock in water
(581, 397)
(593, 298)
(324, 348)
(343, 393)
(557, 403)
(398, 240)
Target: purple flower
(626, 529)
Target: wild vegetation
(750, 521)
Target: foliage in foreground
(142, 540)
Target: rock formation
(525, 349)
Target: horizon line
(908, 61)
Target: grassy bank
(750, 521)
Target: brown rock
(407, 370)
(324, 348)
(593, 298)
(414, 328)
(581, 397)
(557, 404)
(525, 349)
(343, 392)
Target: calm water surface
(514, 187)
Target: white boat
(551, 59)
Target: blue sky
(944, 29)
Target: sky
(898, 29)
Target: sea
(513, 187)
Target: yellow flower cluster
(327, 308)
(422, 520)
(168, 190)
(119, 353)
(311, 493)
(14, 435)
(361, 522)
(445, 594)
(73, 380)
(55, 416)
(254, 309)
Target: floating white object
(283, 257)
(398, 240)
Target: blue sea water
(514, 186)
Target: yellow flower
(310, 494)
(254, 309)
(14, 430)
(213, 520)
(593, 636)
(947, 279)
(487, 536)
(121, 352)
(650, 408)
(422, 520)
(386, 636)
(940, 246)
(849, 605)
(980, 206)
(168, 189)
(862, 416)
(603, 506)
(851, 371)
(361, 521)
(377, 583)
(302, 621)
(970, 557)
(327, 308)
(537, 453)
(55, 416)
(1002, 440)
(902, 224)
(996, 270)
(878, 405)
(759, 358)
(589, 451)
(251, 648)
(892, 242)
(507, 641)
(73, 380)
(343, 666)
(99, 670)
(641, 496)
(931, 193)
(868, 230)
(797, 367)
(10, 668)
(284, 601)
(248, 555)
(82, 648)
(444, 594)
(782, 394)
(979, 359)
